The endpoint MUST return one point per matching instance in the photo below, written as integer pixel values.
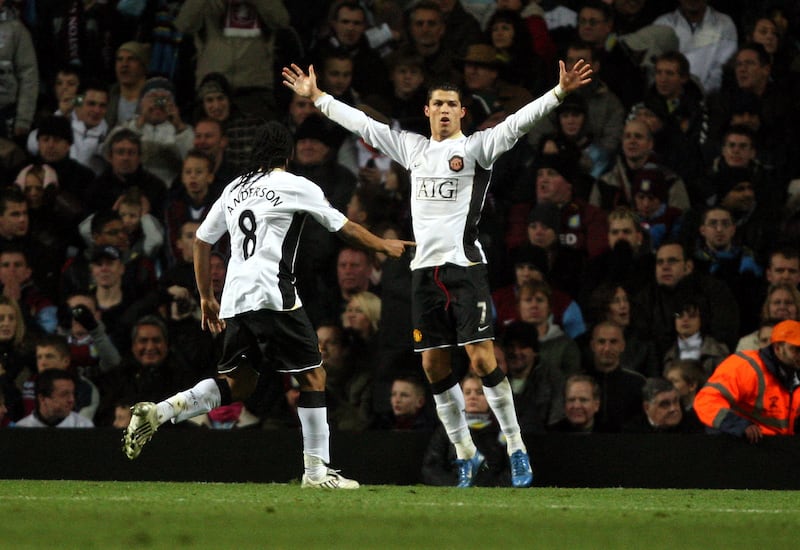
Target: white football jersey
(449, 178)
(264, 218)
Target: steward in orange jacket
(756, 393)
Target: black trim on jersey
(480, 185)
(286, 264)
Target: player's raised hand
(211, 320)
(299, 82)
(579, 75)
(395, 247)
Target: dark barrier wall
(655, 461)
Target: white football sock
(198, 400)
(450, 408)
(316, 451)
(501, 400)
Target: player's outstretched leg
(147, 417)
(144, 423)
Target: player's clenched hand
(395, 247)
(579, 75)
(211, 320)
(302, 84)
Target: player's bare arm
(357, 234)
(304, 85)
(579, 75)
(209, 306)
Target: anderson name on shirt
(244, 193)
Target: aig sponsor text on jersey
(437, 189)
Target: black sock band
(311, 399)
(493, 378)
(224, 392)
(444, 384)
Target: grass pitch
(87, 515)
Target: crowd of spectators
(645, 230)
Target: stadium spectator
(573, 127)
(628, 260)
(707, 37)
(752, 393)
(408, 407)
(692, 341)
(130, 67)
(54, 139)
(620, 388)
(239, 126)
(228, 37)
(55, 401)
(150, 367)
(91, 350)
(193, 198)
(657, 303)
(536, 381)
(210, 138)
(583, 227)
(145, 232)
(521, 64)
(610, 302)
(605, 112)
(661, 411)
(426, 29)
(52, 352)
(16, 277)
(659, 220)
(16, 354)
(166, 138)
(19, 84)
(614, 187)
(348, 23)
(688, 377)
(15, 234)
(581, 404)
(612, 60)
(556, 349)
(123, 150)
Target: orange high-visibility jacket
(745, 389)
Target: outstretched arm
(304, 85)
(357, 234)
(570, 80)
(208, 302)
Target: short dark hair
(349, 4)
(576, 378)
(209, 120)
(675, 56)
(653, 386)
(675, 242)
(45, 381)
(445, 87)
(92, 84)
(198, 154)
(151, 321)
(602, 7)
(739, 130)
(691, 371)
(761, 53)
(10, 194)
(122, 134)
(103, 218)
(54, 341)
(712, 208)
(523, 334)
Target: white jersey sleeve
(214, 225)
(399, 146)
(492, 143)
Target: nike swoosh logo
(481, 329)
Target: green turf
(86, 515)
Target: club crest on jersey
(456, 163)
(417, 335)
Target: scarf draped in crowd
(241, 20)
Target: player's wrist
(559, 92)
